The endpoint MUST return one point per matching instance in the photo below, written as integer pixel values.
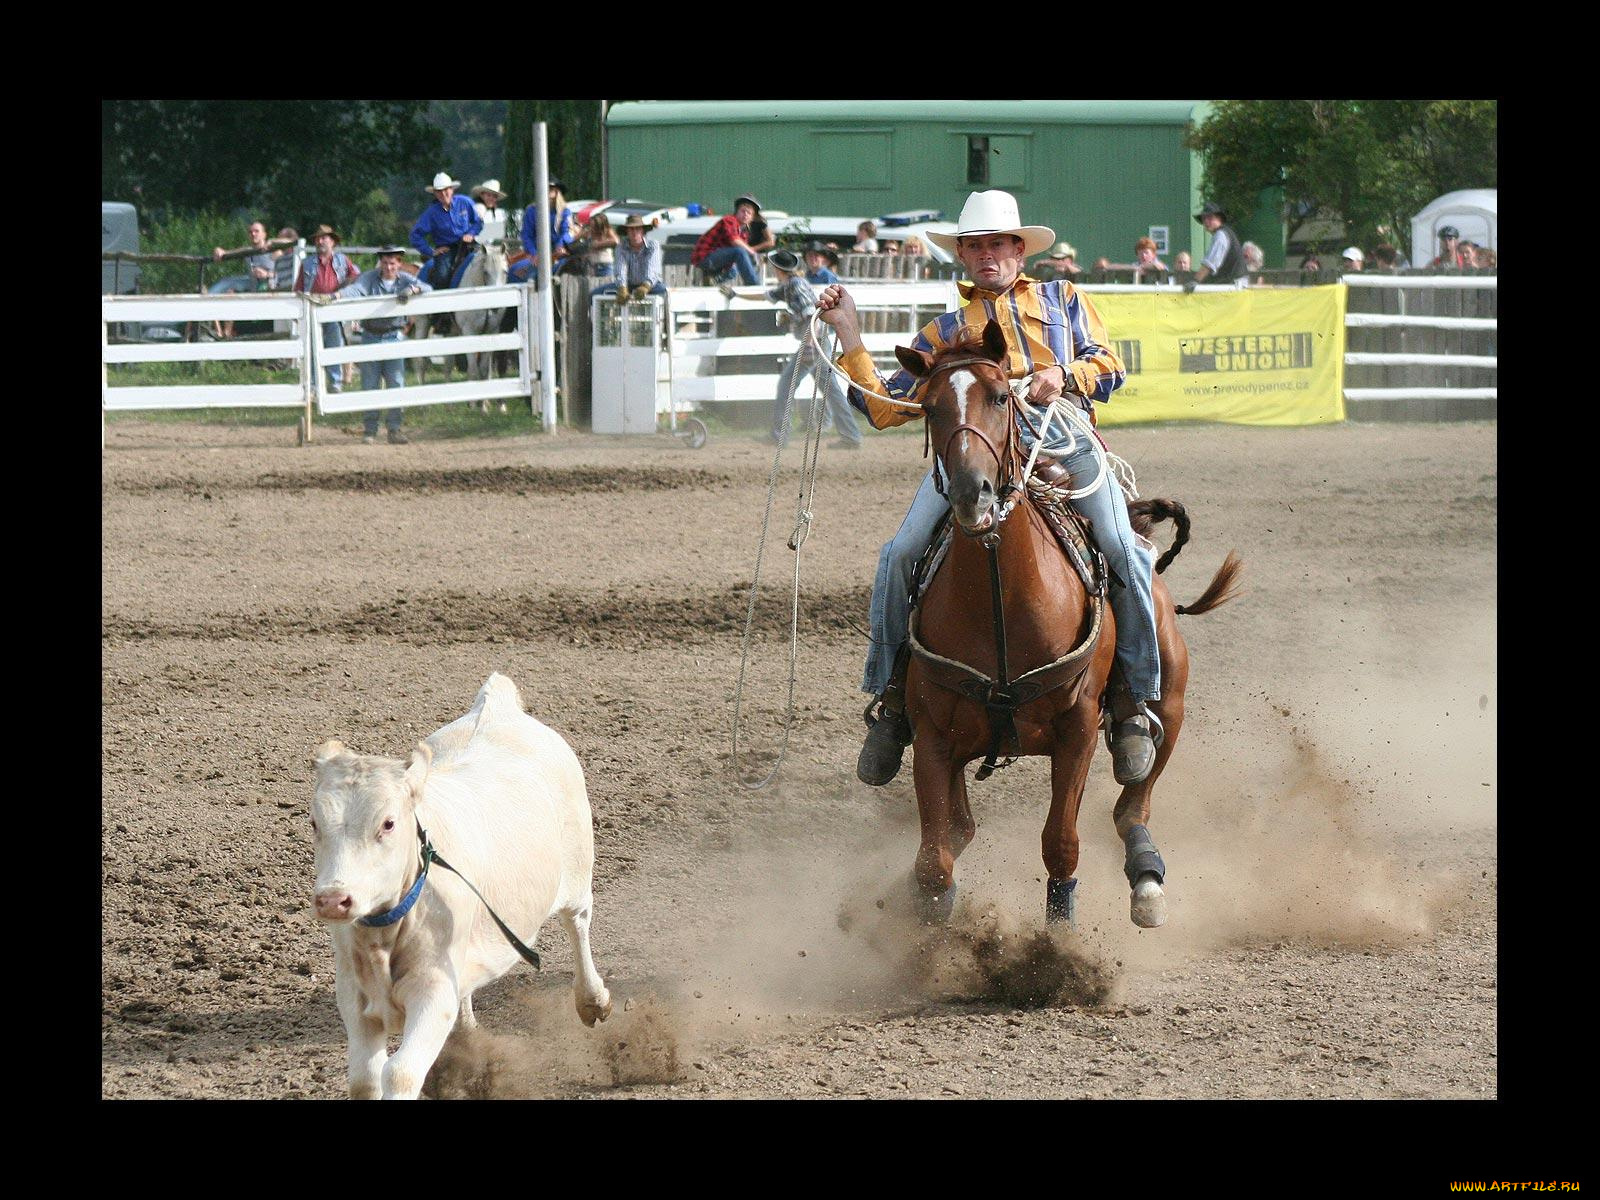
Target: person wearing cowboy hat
(1056, 341)
(816, 255)
(323, 274)
(561, 235)
(386, 279)
(797, 295)
(1063, 261)
(725, 247)
(1450, 255)
(452, 225)
(486, 198)
(1225, 258)
(638, 264)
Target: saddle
(446, 270)
(1046, 492)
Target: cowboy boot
(888, 733)
(1133, 733)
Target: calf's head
(364, 830)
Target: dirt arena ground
(1328, 819)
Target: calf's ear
(417, 768)
(327, 750)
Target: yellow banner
(1261, 356)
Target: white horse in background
(486, 269)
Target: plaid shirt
(1045, 324)
(724, 233)
(801, 300)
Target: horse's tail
(1143, 515)
(1223, 587)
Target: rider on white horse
(453, 226)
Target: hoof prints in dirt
(517, 481)
(581, 618)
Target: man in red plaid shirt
(726, 245)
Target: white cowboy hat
(994, 212)
(443, 180)
(488, 185)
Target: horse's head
(967, 400)
(494, 263)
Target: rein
(430, 856)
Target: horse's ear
(994, 342)
(913, 360)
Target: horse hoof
(1149, 904)
(1061, 902)
(933, 908)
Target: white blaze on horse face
(961, 382)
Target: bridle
(1007, 461)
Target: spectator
(260, 269)
(258, 265)
(820, 259)
(1255, 262)
(597, 247)
(521, 269)
(1385, 258)
(638, 265)
(283, 272)
(386, 280)
(913, 249)
(1225, 257)
(452, 225)
(797, 295)
(1182, 261)
(725, 247)
(323, 274)
(1352, 260)
(1464, 250)
(866, 238)
(1062, 263)
(1145, 262)
(761, 237)
(1484, 259)
(1450, 257)
(1311, 266)
(486, 199)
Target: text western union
(1246, 352)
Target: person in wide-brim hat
(786, 260)
(994, 212)
(320, 230)
(441, 181)
(1210, 209)
(489, 187)
(822, 248)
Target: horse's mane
(969, 343)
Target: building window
(996, 161)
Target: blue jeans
(1138, 651)
(804, 363)
(393, 373)
(333, 335)
(233, 283)
(719, 261)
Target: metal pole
(547, 310)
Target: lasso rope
(797, 539)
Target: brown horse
(1048, 625)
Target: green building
(1101, 173)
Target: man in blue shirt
(453, 224)
(816, 273)
(561, 236)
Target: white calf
(503, 801)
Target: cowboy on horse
(1056, 341)
(453, 225)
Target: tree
(573, 146)
(294, 162)
(1372, 162)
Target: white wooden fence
(1402, 320)
(498, 299)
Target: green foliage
(474, 139)
(572, 145)
(290, 162)
(375, 222)
(194, 233)
(1373, 162)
